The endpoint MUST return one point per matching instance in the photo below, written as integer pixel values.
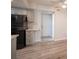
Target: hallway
(45, 50)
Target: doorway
(47, 26)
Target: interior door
(46, 25)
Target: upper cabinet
(20, 3)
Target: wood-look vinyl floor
(44, 50)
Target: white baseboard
(63, 38)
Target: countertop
(14, 36)
(33, 30)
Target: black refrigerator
(19, 25)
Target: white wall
(60, 25)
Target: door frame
(52, 13)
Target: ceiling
(47, 2)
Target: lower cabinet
(13, 46)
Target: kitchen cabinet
(19, 3)
(13, 46)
